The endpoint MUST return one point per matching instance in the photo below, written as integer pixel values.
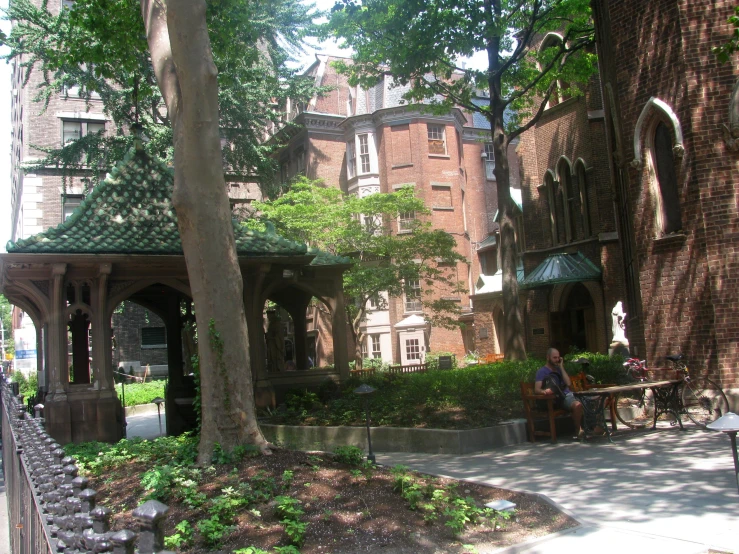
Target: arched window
(585, 199)
(569, 201)
(659, 127)
(550, 187)
(664, 168)
(553, 40)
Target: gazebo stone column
(176, 390)
(56, 407)
(253, 283)
(108, 425)
(297, 310)
(339, 329)
(102, 343)
(58, 370)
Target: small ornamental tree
(418, 42)
(382, 261)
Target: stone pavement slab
(663, 491)
(146, 425)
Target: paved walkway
(4, 521)
(664, 492)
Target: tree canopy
(537, 50)
(383, 261)
(98, 48)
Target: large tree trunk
(180, 49)
(514, 345)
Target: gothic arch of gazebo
(122, 243)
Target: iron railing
(50, 507)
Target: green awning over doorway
(562, 268)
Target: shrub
(182, 537)
(350, 455)
(28, 387)
(605, 369)
(141, 393)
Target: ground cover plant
(463, 398)
(297, 502)
(141, 393)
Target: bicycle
(701, 398)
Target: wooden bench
(392, 370)
(534, 413)
(492, 358)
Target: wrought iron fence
(50, 507)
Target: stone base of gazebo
(84, 415)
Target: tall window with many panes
(413, 296)
(376, 349)
(364, 156)
(437, 139)
(489, 161)
(350, 160)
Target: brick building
(368, 141)
(671, 118)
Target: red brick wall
(574, 130)
(688, 283)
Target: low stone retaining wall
(142, 409)
(398, 439)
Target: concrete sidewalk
(664, 492)
(4, 520)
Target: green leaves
(99, 48)
(384, 261)
(725, 51)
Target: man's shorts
(568, 400)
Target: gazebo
(122, 243)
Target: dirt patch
(347, 509)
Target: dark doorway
(575, 325)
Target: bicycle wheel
(703, 401)
(635, 410)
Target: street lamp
(159, 401)
(729, 424)
(365, 390)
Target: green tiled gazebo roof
(562, 268)
(131, 212)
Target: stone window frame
(365, 164)
(557, 97)
(657, 111)
(351, 160)
(585, 188)
(376, 350)
(70, 202)
(145, 345)
(565, 175)
(435, 134)
(489, 161)
(549, 186)
(83, 126)
(412, 302)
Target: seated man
(556, 371)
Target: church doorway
(575, 326)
